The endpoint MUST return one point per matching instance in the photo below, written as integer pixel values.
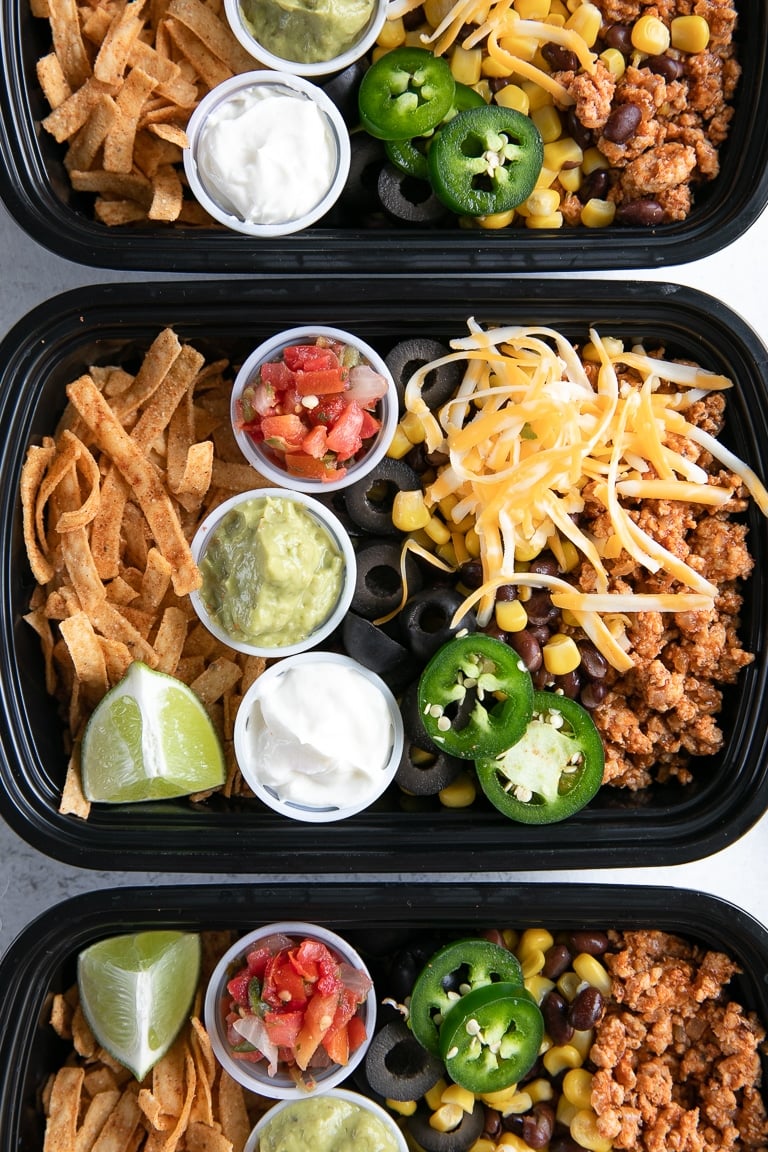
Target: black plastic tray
(377, 919)
(34, 186)
(662, 825)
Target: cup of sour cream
(318, 737)
(267, 153)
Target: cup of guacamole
(339, 1119)
(278, 572)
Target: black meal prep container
(35, 188)
(662, 825)
(377, 919)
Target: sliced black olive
(369, 501)
(409, 199)
(425, 777)
(397, 1067)
(342, 89)
(459, 1139)
(425, 620)
(412, 722)
(379, 583)
(410, 355)
(374, 649)
(360, 192)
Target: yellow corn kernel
(409, 511)
(565, 1111)
(562, 153)
(510, 615)
(532, 962)
(587, 20)
(560, 654)
(399, 445)
(546, 178)
(543, 202)
(378, 51)
(614, 61)
(437, 530)
(510, 1140)
(584, 1131)
(446, 1118)
(484, 88)
(447, 554)
(460, 793)
(496, 220)
(522, 47)
(593, 159)
(421, 756)
(494, 69)
(689, 33)
(447, 505)
(537, 96)
(560, 1057)
(554, 220)
(570, 555)
(570, 179)
(455, 1094)
(577, 1087)
(540, 1089)
(434, 1097)
(650, 35)
(534, 939)
(569, 618)
(590, 969)
(511, 938)
(598, 213)
(402, 1107)
(568, 984)
(538, 986)
(413, 36)
(392, 34)
(420, 537)
(556, 20)
(459, 547)
(532, 9)
(500, 1098)
(435, 11)
(583, 1040)
(483, 1145)
(472, 541)
(547, 120)
(413, 426)
(466, 64)
(518, 1104)
(513, 96)
(558, 8)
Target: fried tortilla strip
(84, 145)
(115, 212)
(112, 59)
(169, 81)
(214, 33)
(219, 677)
(87, 655)
(68, 42)
(152, 155)
(124, 185)
(69, 117)
(155, 581)
(142, 478)
(61, 1016)
(121, 1124)
(40, 621)
(61, 1126)
(201, 1137)
(169, 640)
(34, 469)
(211, 70)
(87, 467)
(233, 1114)
(98, 1112)
(52, 80)
(237, 477)
(154, 367)
(118, 145)
(169, 194)
(173, 133)
(73, 801)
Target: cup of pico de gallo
(318, 737)
(290, 1009)
(314, 408)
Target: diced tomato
(344, 437)
(319, 382)
(318, 1018)
(283, 1028)
(277, 374)
(317, 964)
(310, 357)
(328, 410)
(336, 1039)
(257, 961)
(314, 443)
(283, 985)
(370, 426)
(238, 987)
(356, 1032)
(288, 429)
(300, 464)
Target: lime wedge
(136, 992)
(149, 738)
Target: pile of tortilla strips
(109, 506)
(122, 82)
(186, 1103)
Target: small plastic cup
(261, 49)
(231, 99)
(253, 1143)
(338, 539)
(242, 740)
(264, 460)
(253, 1075)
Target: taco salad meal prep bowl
(659, 825)
(35, 186)
(379, 921)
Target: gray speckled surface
(30, 883)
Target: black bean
(542, 679)
(492, 1126)
(513, 1123)
(665, 66)
(471, 574)
(414, 19)
(578, 131)
(527, 648)
(595, 185)
(506, 592)
(586, 1009)
(592, 662)
(593, 694)
(544, 564)
(560, 59)
(564, 1143)
(569, 684)
(622, 123)
(540, 632)
(554, 1009)
(643, 212)
(539, 607)
(538, 1125)
(619, 36)
(594, 943)
(557, 960)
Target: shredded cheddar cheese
(528, 438)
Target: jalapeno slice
(410, 156)
(405, 93)
(485, 160)
(491, 1037)
(475, 697)
(456, 969)
(553, 770)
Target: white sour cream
(267, 155)
(320, 735)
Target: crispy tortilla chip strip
(87, 467)
(61, 1127)
(155, 365)
(98, 1112)
(69, 117)
(112, 59)
(155, 580)
(173, 133)
(151, 154)
(96, 24)
(169, 81)
(34, 468)
(118, 145)
(237, 477)
(142, 478)
(233, 1114)
(201, 1138)
(83, 1039)
(169, 194)
(61, 1016)
(73, 801)
(219, 677)
(117, 657)
(169, 640)
(86, 653)
(64, 462)
(125, 185)
(211, 70)
(116, 212)
(121, 1124)
(85, 144)
(98, 1079)
(52, 80)
(68, 42)
(40, 621)
(214, 33)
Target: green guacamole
(306, 31)
(271, 572)
(326, 1124)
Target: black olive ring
(397, 1067)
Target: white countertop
(30, 883)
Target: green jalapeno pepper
(485, 160)
(491, 1037)
(475, 697)
(405, 93)
(553, 770)
(410, 156)
(463, 965)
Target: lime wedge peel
(136, 992)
